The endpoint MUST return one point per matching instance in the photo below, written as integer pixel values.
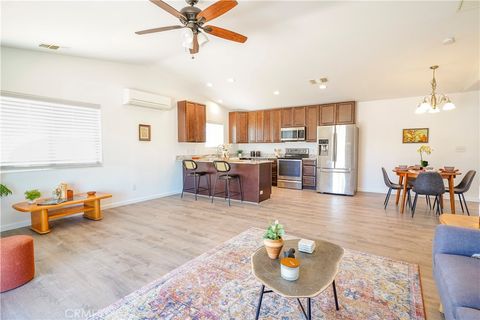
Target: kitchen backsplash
(267, 148)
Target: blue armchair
(456, 273)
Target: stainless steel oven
(289, 173)
(292, 134)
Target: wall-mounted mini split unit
(144, 99)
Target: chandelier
(432, 102)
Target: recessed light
(220, 101)
(323, 83)
(276, 92)
(231, 80)
(209, 84)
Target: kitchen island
(256, 178)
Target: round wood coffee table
(317, 272)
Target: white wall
(132, 170)
(380, 125)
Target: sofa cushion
(467, 314)
(460, 276)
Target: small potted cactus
(273, 240)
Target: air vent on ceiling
(49, 46)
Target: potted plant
(4, 191)
(273, 240)
(424, 149)
(239, 153)
(32, 195)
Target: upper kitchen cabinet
(267, 126)
(311, 123)
(276, 116)
(252, 126)
(238, 127)
(286, 117)
(326, 115)
(260, 126)
(191, 121)
(298, 116)
(345, 113)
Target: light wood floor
(83, 265)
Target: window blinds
(38, 132)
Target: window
(214, 135)
(40, 132)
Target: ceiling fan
(194, 19)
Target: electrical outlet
(261, 192)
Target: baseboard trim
(26, 223)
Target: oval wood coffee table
(317, 272)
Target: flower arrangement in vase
(224, 151)
(424, 149)
(273, 240)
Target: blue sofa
(457, 274)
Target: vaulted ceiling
(367, 50)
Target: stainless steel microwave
(292, 134)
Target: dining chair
(191, 167)
(463, 187)
(429, 184)
(393, 186)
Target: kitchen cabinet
(286, 117)
(260, 126)
(311, 120)
(252, 126)
(238, 127)
(337, 113)
(326, 115)
(267, 126)
(345, 113)
(298, 115)
(191, 121)
(309, 173)
(276, 124)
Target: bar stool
(190, 167)
(223, 168)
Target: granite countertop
(234, 160)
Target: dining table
(405, 174)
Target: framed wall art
(144, 132)
(415, 135)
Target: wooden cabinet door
(345, 113)
(260, 125)
(267, 126)
(287, 120)
(190, 122)
(276, 124)
(252, 126)
(242, 127)
(311, 123)
(298, 116)
(232, 127)
(200, 123)
(327, 115)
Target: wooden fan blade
(159, 29)
(196, 47)
(216, 10)
(225, 34)
(165, 6)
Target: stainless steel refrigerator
(337, 159)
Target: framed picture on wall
(144, 133)
(415, 135)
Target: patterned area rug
(219, 285)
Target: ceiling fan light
(434, 110)
(420, 110)
(448, 106)
(202, 38)
(323, 86)
(187, 35)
